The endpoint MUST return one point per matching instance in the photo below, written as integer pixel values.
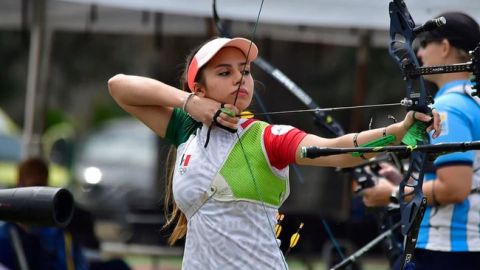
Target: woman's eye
(246, 72)
(224, 73)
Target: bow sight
(472, 66)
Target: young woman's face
(223, 77)
(429, 53)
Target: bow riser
(402, 34)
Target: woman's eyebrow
(229, 65)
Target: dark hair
(171, 210)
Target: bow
(321, 117)
(402, 35)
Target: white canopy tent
(326, 21)
(313, 13)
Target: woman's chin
(242, 107)
(243, 103)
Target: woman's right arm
(149, 100)
(152, 101)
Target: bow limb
(402, 36)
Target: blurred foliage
(54, 117)
(104, 112)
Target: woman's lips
(241, 92)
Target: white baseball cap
(208, 51)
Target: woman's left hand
(435, 125)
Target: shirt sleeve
(281, 143)
(180, 126)
(456, 127)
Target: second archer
(230, 174)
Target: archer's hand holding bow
(204, 110)
(433, 121)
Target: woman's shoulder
(180, 127)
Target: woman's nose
(420, 53)
(239, 78)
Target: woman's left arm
(347, 160)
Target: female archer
(231, 174)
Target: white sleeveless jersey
(231, 229)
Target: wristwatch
(394, 196)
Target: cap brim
(211, 48)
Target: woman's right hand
(379, 194)
(203, 109)
(390, 172)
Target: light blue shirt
(455, 227)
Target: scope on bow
(472, 66)
(430, 25)
(46, 206)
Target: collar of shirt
(451, 84)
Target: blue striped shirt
(455, 227)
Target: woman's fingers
(227, 117)
(436, 125)
(434, 120)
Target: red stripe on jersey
(187, 159)
(282, 148)
(248, 122)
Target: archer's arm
(347, 160)
(452, 185)
(149, 100)
(152, 102)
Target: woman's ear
(199, 90)
(446, 47)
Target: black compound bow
(402, 35)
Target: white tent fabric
(337, 22)
(371, 14)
